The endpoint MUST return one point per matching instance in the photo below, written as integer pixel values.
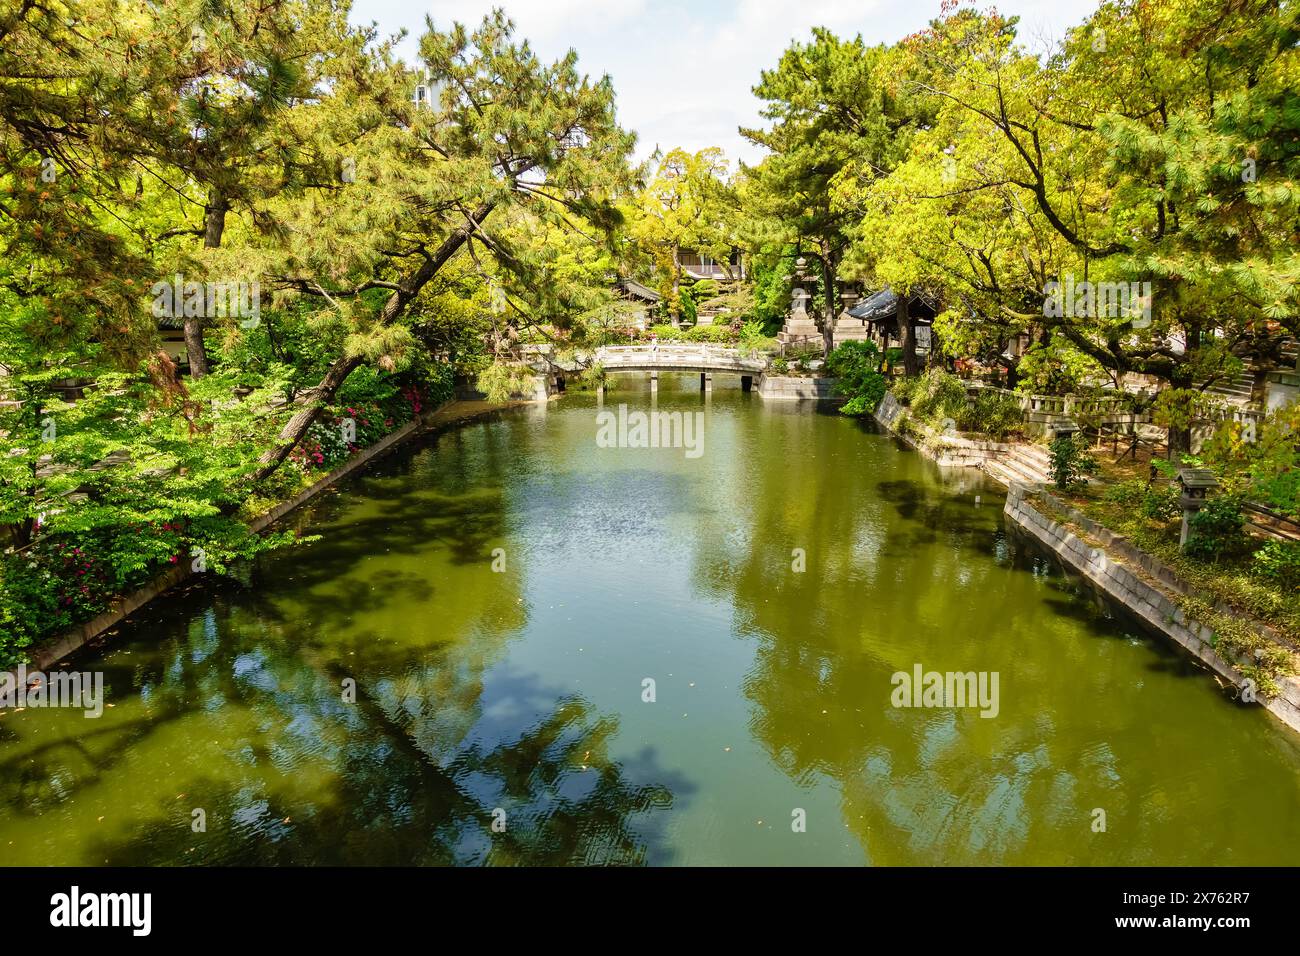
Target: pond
(514, 643)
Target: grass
(1232, 581)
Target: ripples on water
(516, 698)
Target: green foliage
(1267, 468)
(905, 389)
(1236, 581)
(938, 397)
(752, 340)
(1179, 408)
(1070, 461)
(1279, 561)
(704, 289)
(1055, 368)
(503, 382)
(717, 334)
(1157, 502)
(992, 414)
(856, 365)
(668, 333)
(1256, 656)
(772, 290)
(1215, 532)
(592, 377)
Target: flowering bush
(345, 430)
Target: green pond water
(516, 694)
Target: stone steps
(1024, 464)
(999, 472)
(1035, 456)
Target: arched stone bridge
(681, 357)
(678, 357)
(666, 357)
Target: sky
(683, 72)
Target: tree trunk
(1180, 443)
(907, 336)
(317, 397)
(828, 281)
(314, 399)
(676, 313)
(214, 225)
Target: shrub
(668, 333)
(1161, 503)
(1215, 531)
(991, 414)
(1126, 494)
(1281, 491)
(856, 365)
(905, 389)
(704, 289)
(939, 396)
(718, 334)
(1157, 502)
(1279, 561)
(1070, 461)
(752, 339)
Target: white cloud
(683, 70)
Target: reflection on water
(500, 715)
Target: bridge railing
(681, 350)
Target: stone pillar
(746, 382)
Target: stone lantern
(847, 328)
(1195, 484)
(1064, 428)
(799, 326)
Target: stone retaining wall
(1149, 593)
(795, 387)
(949, 451)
